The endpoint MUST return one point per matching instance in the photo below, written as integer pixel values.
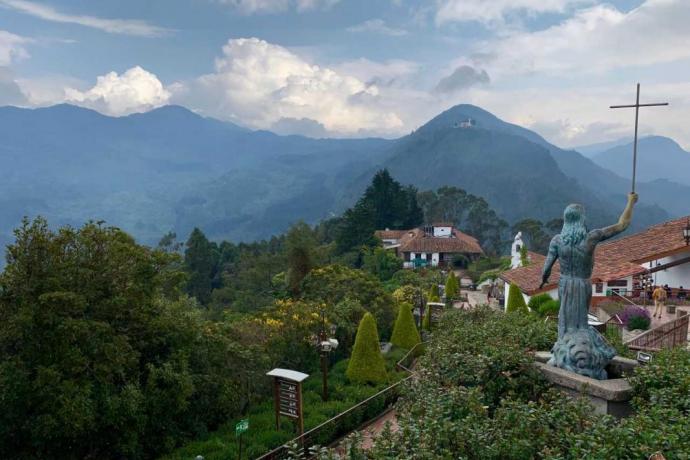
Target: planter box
(671, 309)
(610, 396)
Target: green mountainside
(171, 170)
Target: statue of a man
(579, 347)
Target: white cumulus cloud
(598, 39)
(258, 84)
(12, 47)
(136, 90)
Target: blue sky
(356, 68)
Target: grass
(262, 435)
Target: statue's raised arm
(623, 222)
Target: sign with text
(287, 390)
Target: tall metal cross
(637, 106)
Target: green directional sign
(242, 426)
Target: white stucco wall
(675, 276)
(628, 287)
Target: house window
(599, 288)
(618, 283)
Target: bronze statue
(580, 348)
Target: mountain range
(171, 170)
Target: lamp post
(686, 233)
(325, 345)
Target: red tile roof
(459, 242)
(389, 234)
(612, 259)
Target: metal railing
(354, 418)
(668, 335)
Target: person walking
(659, 297)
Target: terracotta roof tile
(416, 241)
(390, 234)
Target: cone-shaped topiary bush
(452, 287)
(433, 293)
(516, 302)
(405, 333)
(426, 322)
(366, 363)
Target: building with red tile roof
(434, 245)
(660, 252)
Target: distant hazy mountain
(171, 169)
(515, 169)
(168, 169)
(657, 158)
(590, 150)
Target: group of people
(661, 294)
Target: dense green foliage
(433, 295)
(263, 436)
(381, 263)
(452, 288)
(516, 302)
(537, 235)
(405, 333)
(537, 300)
(385, 204)
(549, 308)
(300, 245)
(479, 397)
(487, 268)
(201, 261)
(100, 355)
(366, 363)
(334, 284)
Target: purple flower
(632, 312)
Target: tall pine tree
(201, 265)
(385, 204)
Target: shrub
(516, 302)
(366, 363)
(536, 301)
(549, 308)
(452, 287)
(405, 333)
(635, 318)
(433, 293)
(426, 322)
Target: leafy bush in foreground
(479, 397)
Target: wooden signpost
(287, 392)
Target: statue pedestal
(611, 396)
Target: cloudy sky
(358, 67)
